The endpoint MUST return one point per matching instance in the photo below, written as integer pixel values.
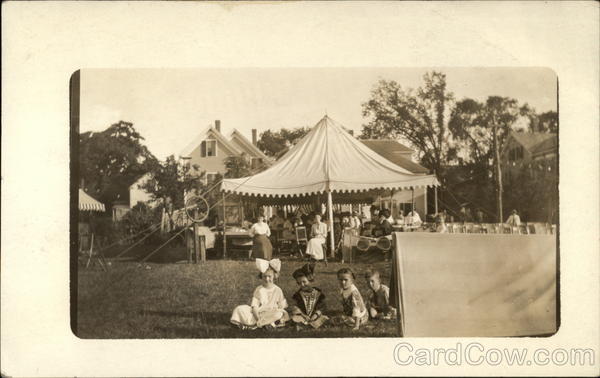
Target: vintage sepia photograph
(314, 202)
(321, 188)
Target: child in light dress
(378, 298)
(310, 300)
(355, 311)
(268, 304)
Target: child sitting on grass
(378, 299)
(354, 310)
(310, 300)
(267, 308)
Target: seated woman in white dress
(318, 233)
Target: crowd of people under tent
(267, 233)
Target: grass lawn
(180, 300)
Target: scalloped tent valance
(327, 159)
(87, 203)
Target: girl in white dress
(267, 307)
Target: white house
(210, 148)
(136, 194)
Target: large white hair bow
(263, 265)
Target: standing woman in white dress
(318, 233)
(261, 245)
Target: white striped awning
(87, 203)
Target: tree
(139, 219)
(272, 143)
(238, 166)
(168, 182)
(416, 116)
(482, 129)
(534, 191)
(111, 160)
(547, 122)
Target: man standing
(513, 220)
(479, 216)
(464, 215)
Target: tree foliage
(533, 190)
(472, 122)
(111, 160)
(238, 166)
(416, 116)
(273, 142)
(546, 122)
(139, 219)
(453, 138)
(169, 180)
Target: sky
(170, 107)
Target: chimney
(218, 125)
(351, 132)
(254, 138)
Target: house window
(515, 154)
(208, 148)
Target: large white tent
(327, 160)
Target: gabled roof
(235, 134)
(396, 153)
(209, 131)
(328, 158)
(547, 145)
(138, 178)
(530, 141)
(387, 146)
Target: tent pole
(330, 216)
(436, 200)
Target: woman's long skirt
(262, 247)
(314, 248)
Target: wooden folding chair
(301, 238)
